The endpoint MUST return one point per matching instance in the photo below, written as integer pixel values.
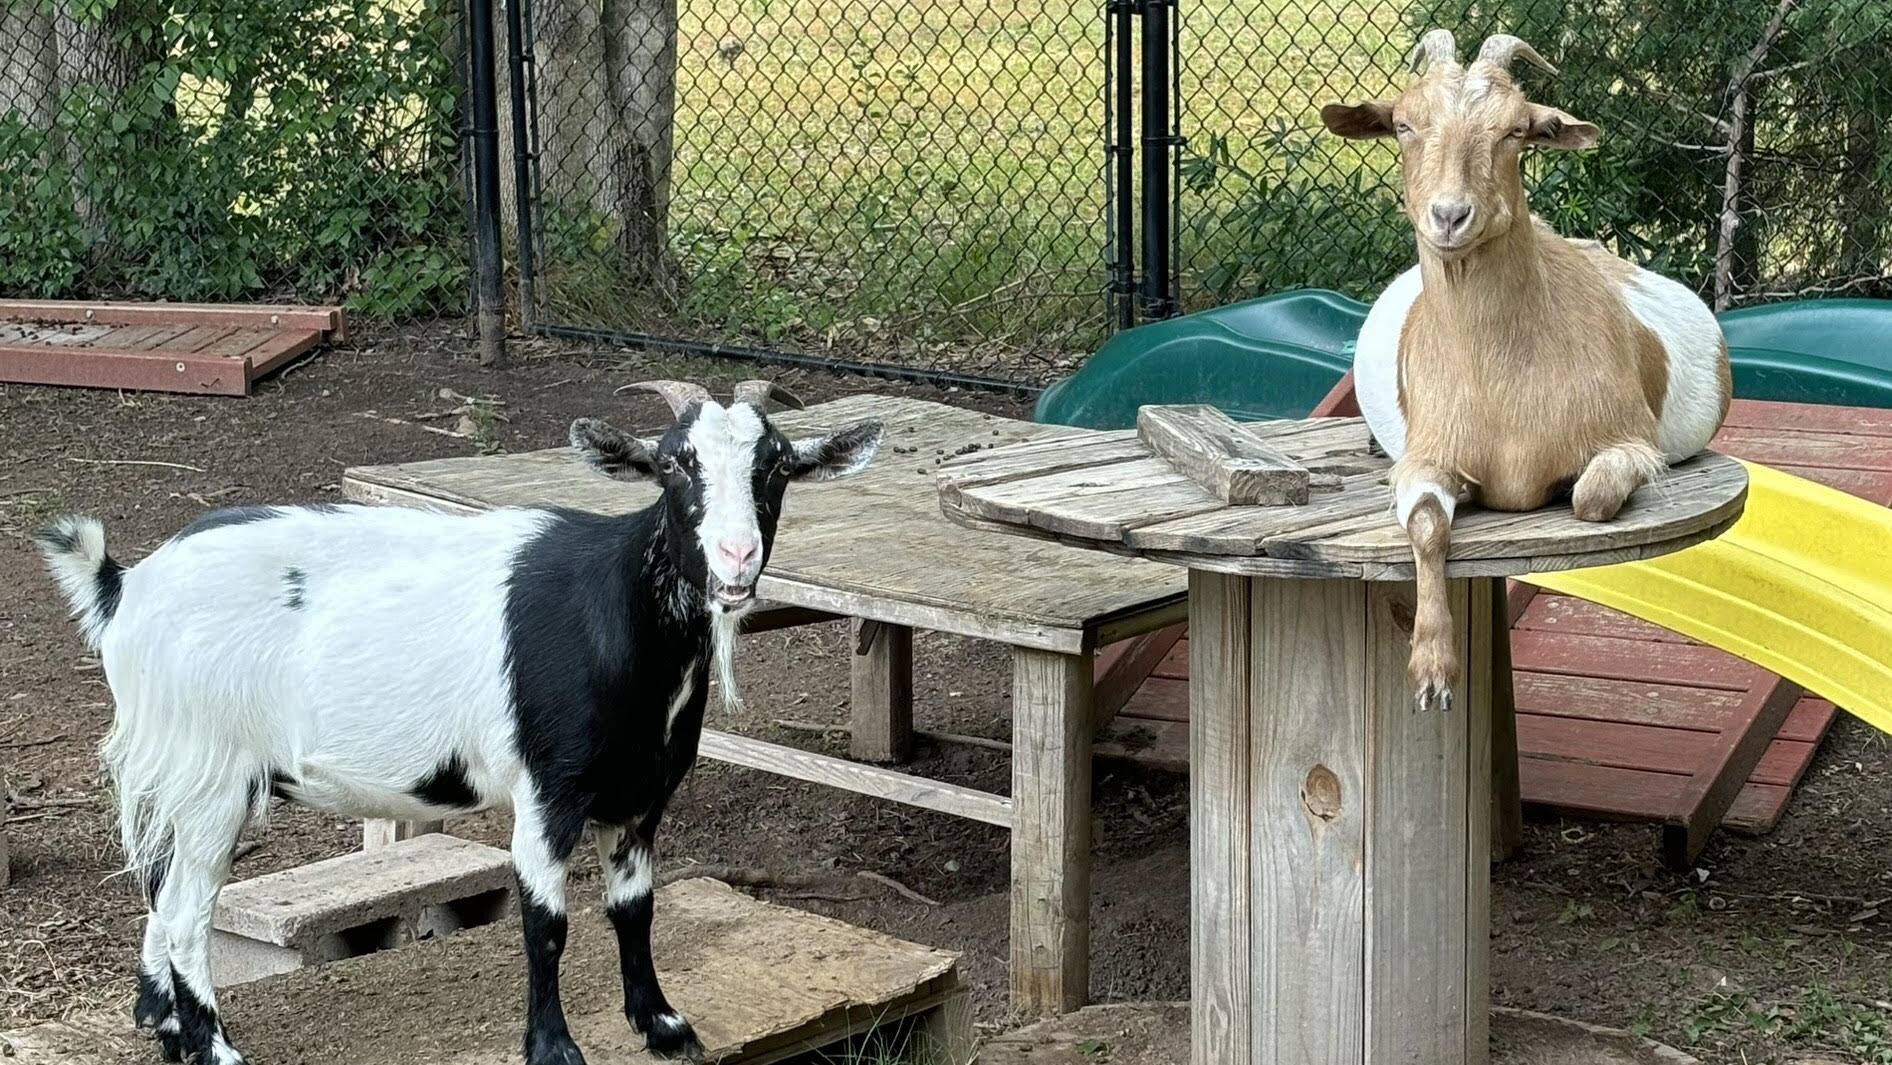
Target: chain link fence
(929, 184)
(234, 150)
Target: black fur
(197, 1024)
(153, 1005)
(110, 575)
(447, 786)
(295, 587)
(548, 1041)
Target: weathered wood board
(760, 983)
(1211, 449)
(873, 544)
(1108, 496)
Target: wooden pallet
(1617, 719)
(205, 348)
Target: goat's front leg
(1425, 497)
(1611, 476)
(187, 897)
(542, 842)
(626, 853)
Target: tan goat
(1512, 365)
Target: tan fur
(1724, 374)
(1521, 369)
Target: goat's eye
(1517, 134)
(785, 467)
(668, 465)
(1401, 129)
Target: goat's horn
(1501, 50)
(679, 394)
(1437, 46)
(759, 393)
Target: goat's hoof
(552, 1050)
(671, 1037)
(1432, 695)
(170, 1043)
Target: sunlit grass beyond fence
(934, 172)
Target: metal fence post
(1159, 138)
(492, 300)
(1120, 152)
(517, 56)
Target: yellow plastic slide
(1801, 585)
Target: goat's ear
(1373, 118)
(614, 452)
(839, 453)
(1557, 129)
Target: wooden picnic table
(874, 547)
(1339, 841)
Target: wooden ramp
(1617, 719)
(207, 348)
(759, 982)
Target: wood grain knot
(1320, 793)
(1402, 610)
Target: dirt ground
(1773, 950)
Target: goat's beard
(724, 626)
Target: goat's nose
(1451, 219)
(739, 552)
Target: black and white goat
(392, 663)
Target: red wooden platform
(1617, 719)
(212, 348)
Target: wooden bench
(356, 904)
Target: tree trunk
(29, 65)
(1863, 210)
(641, 68)
(606, 108)
(96, 58)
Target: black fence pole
(1159, 300)
(492, 300)
(516, 60)
(1119, 22)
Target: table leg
(1051, 830)
(883, 692)
(1339, 841)
(376, 832)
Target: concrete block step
(356, 904)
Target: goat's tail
(74, 547)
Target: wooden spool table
(1339, 841)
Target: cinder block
(356, 904)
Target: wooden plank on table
(922, 570)
(1076, 449)
(1707, 794)
(160, 313)
(1306, 826)
(1686, 664)
(110, 368)
(1094, 503)
(1808, 417)
(1124, 666)
(1051, 831)
(1235, 531)
(840, 773)
(1221, 815)
(1778, 446)
(1209, 448)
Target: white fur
(1691, 409)
(724, 440)
(1410, 494)
(626, 882)
(400, 634)
(1376, 365)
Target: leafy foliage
(223, 149)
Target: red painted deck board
(166, 347)
(1616, 716)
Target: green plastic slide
(1276, 356)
